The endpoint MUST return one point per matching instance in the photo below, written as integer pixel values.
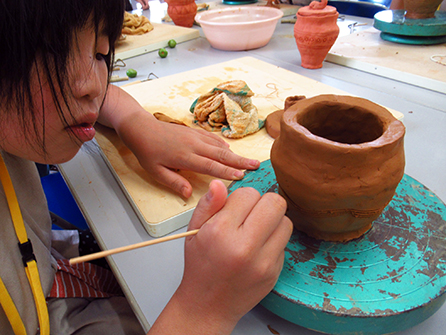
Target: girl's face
(87, 85)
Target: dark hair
(45, 30)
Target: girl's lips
(84, 132)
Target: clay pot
(315, 31)
(338, 161)
(182, 12)
(421, 9)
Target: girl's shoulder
(32, 202)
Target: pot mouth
(342, 123)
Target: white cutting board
(366, 51)
(161, 211)
(135, 45)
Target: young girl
(55, 63)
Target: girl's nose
(90, 83)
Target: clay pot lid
(317, 8)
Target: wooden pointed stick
(104, 253)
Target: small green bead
(131, 73)
(162, 53)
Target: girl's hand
(162, 148)
(144, 4)
(231, 264)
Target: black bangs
(107, 15)
(111, 16)
(41, 34)
(45, 27)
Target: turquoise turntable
(388, 280)
(395, 27)
(238, 2)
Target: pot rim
(394, 129)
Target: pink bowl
(239, 28)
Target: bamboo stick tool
(104, 253)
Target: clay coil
(327, 213)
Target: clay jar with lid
(315, 31)
(182, 12)
(338, 161)
(421, 9)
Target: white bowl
(239, 28)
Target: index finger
(217, 149)
(237, 208)
(265, 217)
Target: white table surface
(149, 276)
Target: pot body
(421, 9)
(182, 12)
(338, 161)
(315, 35)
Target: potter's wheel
(390, 279)
(238, 2)
(395, 27)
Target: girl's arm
(163, 147)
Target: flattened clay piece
(272, 122)
(167, 118)
(338, 161)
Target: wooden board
(135, 45)
(158, 207)
(366, 51)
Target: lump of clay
(168, 119)
(135, 24)
(228, 107)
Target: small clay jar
(338, 161)
(182, 12)
(315, 31)
(421, 9)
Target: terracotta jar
(182, 12)
(315, 31)
(421, 9)
(338, 161)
